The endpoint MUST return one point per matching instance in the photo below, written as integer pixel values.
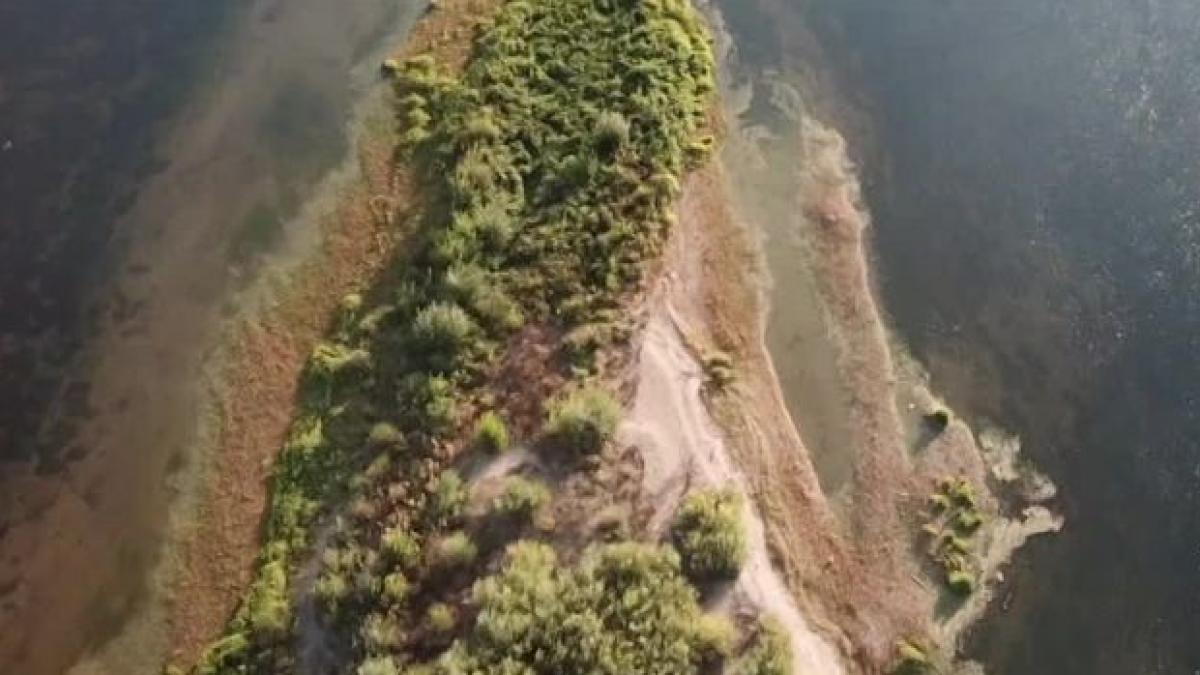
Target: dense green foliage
(624, 609)
(522, 497)
(547, 171)
(709, 533)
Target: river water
(154, 154)
(1033, 173)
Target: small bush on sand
(709, 535)
(585, 419)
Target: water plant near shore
(547, 169)
(951, 530)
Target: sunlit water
(1033, 173)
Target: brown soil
(267, 355)
(854, 589)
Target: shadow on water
(1032, 170)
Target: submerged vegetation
(547, 171)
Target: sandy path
(682, 448)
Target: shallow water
(1031, 169)
(158, 152)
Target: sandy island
(847, 588)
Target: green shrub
(441, 618)
(611, 132)
(396, 587)
(332, 588)
(714, 639)
(624, 608)
(384, 435)
(771, 653)
(491, 434)
(912, 659)
(381, 633)
(378, 665)
(456, 551)
(401, 548)
(709, 534)
(522, 497)
(449, 498)
(586, 418)
(443, 326)
(960, 582)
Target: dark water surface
(152, 154)
(1033, 171)
(84, 87)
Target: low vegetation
(770, 654)
(547, 170)
(625, 608)
(709, 534)
(951, 531)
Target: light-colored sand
(682, 449)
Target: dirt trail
(683, 448)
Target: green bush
(522, 497)
(449, 498)
(455, 551)
(378, 665)
(714, 639)
(396, 588)
(401, 548)
(332, 588)
(709, 534)
(491, 434)
(623, 609)
(443, 326)
(771, 653)
(586, 419)
(611, 132)
(441, 618)
(381, 633)
(384, 435)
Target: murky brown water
(83, 534)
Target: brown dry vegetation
(853, 590)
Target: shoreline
(852, 585)
(285, 315)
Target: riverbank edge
(255, 374)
